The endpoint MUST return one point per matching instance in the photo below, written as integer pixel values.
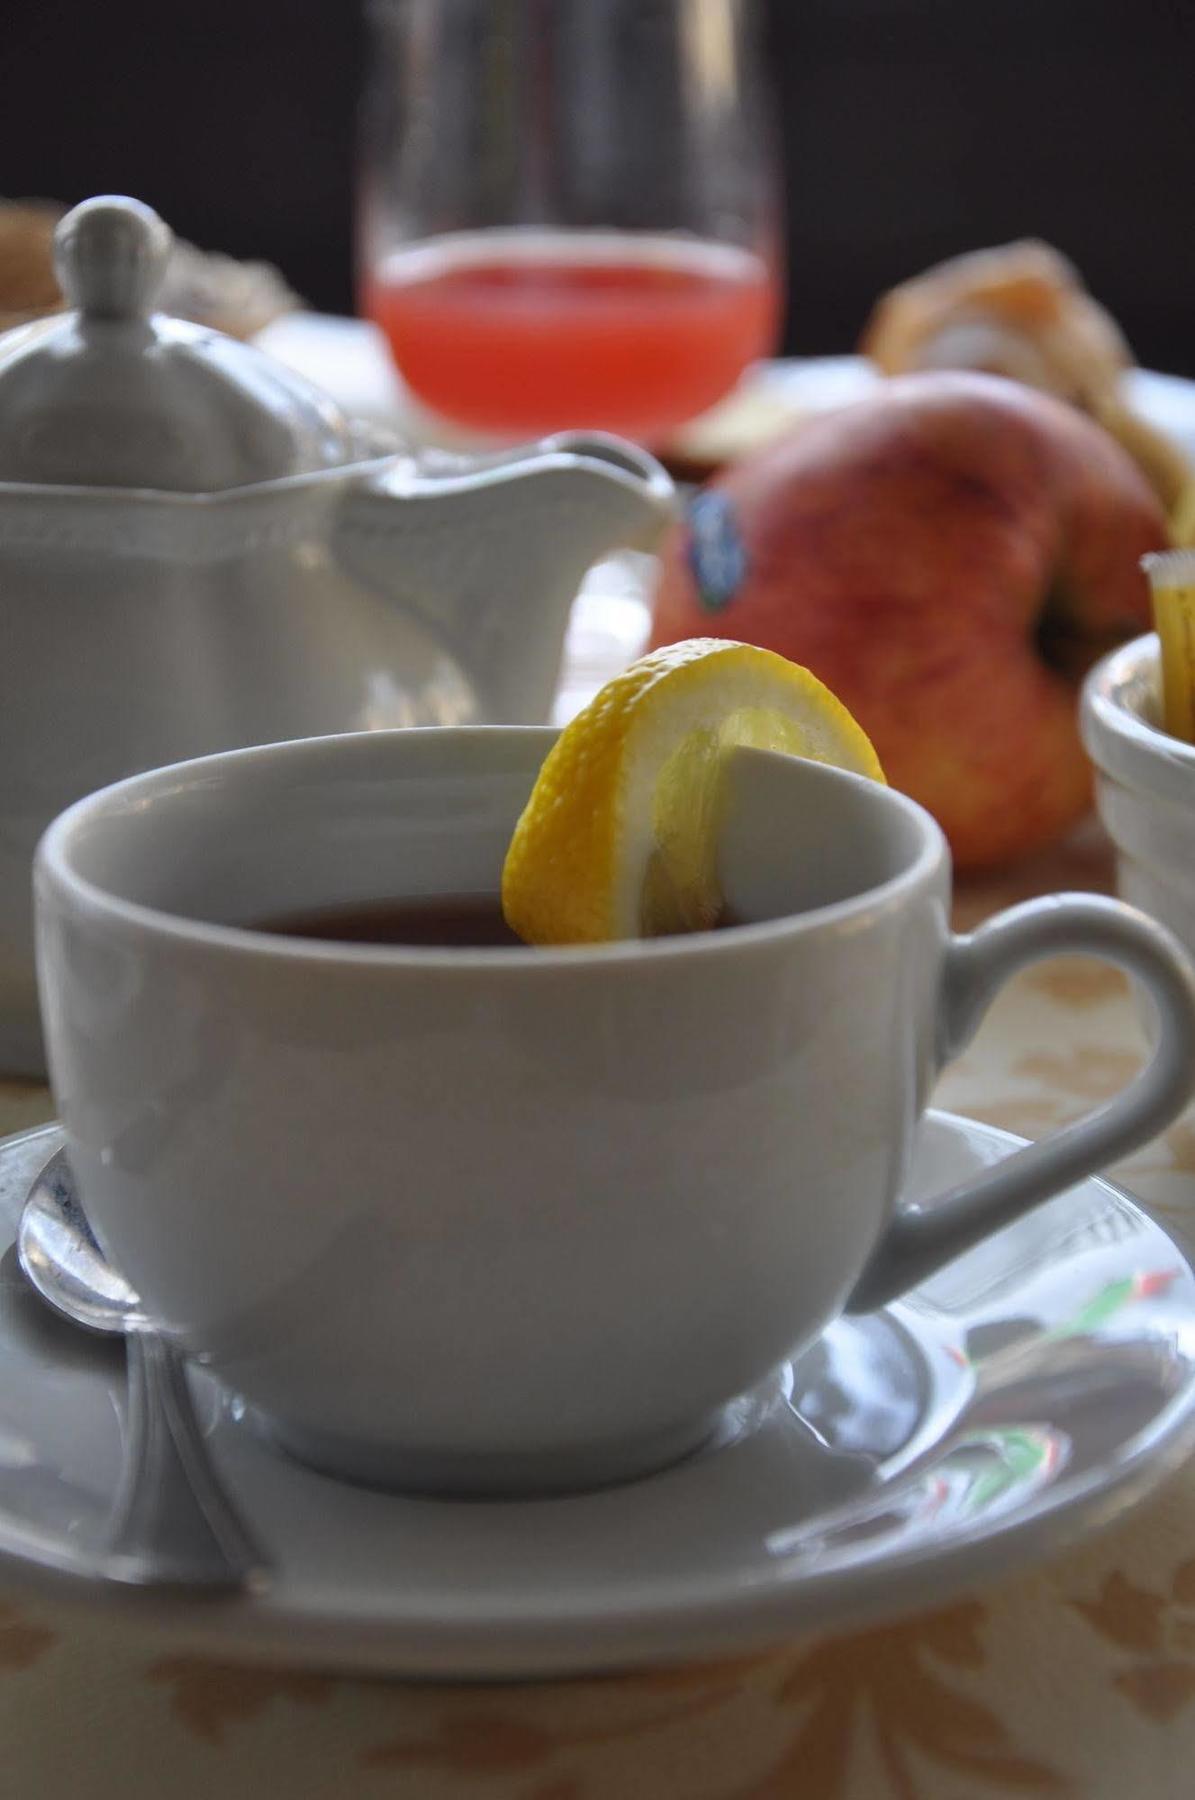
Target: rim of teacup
(1120, 737)
(52, 863)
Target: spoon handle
(174, 1522)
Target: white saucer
(990, 1418)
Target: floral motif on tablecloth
(1022, 1114)
(208, 1696)
(1088, 1071)
(1154, 1631)
(1078, 981)
(898, 1685)
(901, 1687)
(21, 1641)
(481, 1740)
(1055, 1086)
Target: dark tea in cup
(433, 922)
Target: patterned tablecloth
(1073, 1679)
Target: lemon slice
(619, 837)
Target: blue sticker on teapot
(716, 554)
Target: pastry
(27, 284)
(1021, 310)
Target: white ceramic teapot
(198, 550)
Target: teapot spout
(638, 509)
(488, 553)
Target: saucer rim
(546, 1636)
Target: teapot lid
(112, 394)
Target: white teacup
(515, 1219)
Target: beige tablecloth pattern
(1073, 1679)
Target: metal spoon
(173, 1521)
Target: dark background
(911, 129)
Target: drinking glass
(568, 209)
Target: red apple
(949, 556)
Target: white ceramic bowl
(1145, 785)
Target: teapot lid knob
(110, 257)
(115, 393)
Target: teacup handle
(919, 1240)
